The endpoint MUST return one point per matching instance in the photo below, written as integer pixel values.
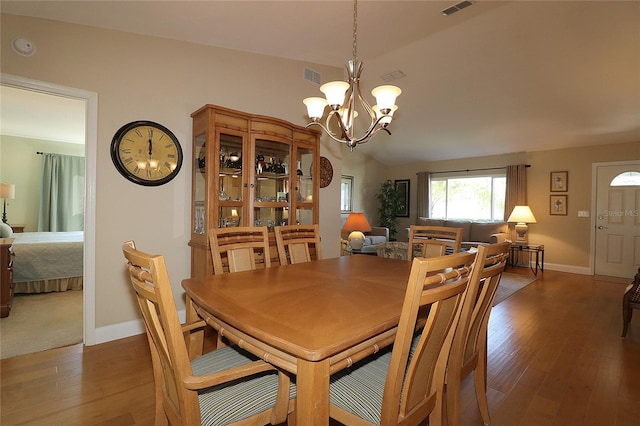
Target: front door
(617, 233)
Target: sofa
(377, 235)
(474, 233)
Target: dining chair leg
(480, 381)
(626, 318)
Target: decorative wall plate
(326, 172)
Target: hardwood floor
(555, 358)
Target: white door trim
(91, 144)
(594, 183)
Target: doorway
(617, 219)
(91, 129)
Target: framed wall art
(403, 187)
(558, 205)
(559, 181)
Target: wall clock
(146, 153)
(326, 172)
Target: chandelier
(343, 99)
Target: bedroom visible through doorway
(46, 92)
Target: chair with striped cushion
(225, 386)
(239, 249)
(405, 384)
(469, 349)
(630, 301)
(298, 243)
(433, 241)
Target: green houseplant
(389, 203)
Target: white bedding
(42, 256)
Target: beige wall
(566, 238)
(19, 164)
(139, 77)
(368, 174)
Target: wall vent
(456, 7)
(395, 75)
(312, 76)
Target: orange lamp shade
(356, 222)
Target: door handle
(602, 227)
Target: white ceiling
(496, 77)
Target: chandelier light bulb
(315, 107)
(334, 92)
(384, 118)
(386, 97)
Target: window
(626, 179)
(468, 197)
(346, 192)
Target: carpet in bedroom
(38, 322)
(511, 283)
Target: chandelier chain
(355, 29)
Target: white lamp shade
(7, 191)
(334, 91)
(386, 96)
(387, 119)
(315, 107)
(522, 214)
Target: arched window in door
(626, 179)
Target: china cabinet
(249, 170)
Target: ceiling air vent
(456, 7)
(312, 76)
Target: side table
(532, 249)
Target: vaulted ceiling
(495, 77)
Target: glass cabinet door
(304, 186)
(272, 183)
(200, 185)
(230, 181)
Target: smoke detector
(23, 46)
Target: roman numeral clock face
(146, 153)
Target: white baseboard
(582, 270)
(125, 329)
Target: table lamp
(356, 224)
(521, 215)
(7, 192)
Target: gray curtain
(62, 198)
(423, 194)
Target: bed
(48, 261)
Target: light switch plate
(583, 213)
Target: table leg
(312, 400)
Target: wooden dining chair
(469, 348)
(224, 386)
(298, 243)
(405, 384)
(630, 301)
(239, 249)
(433, 241)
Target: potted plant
(389, 203)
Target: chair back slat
(298, 243)
(469, 344)
(433, 241)
(239, 249)
(415, 380)
(150, 280)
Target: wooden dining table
(310, 319)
